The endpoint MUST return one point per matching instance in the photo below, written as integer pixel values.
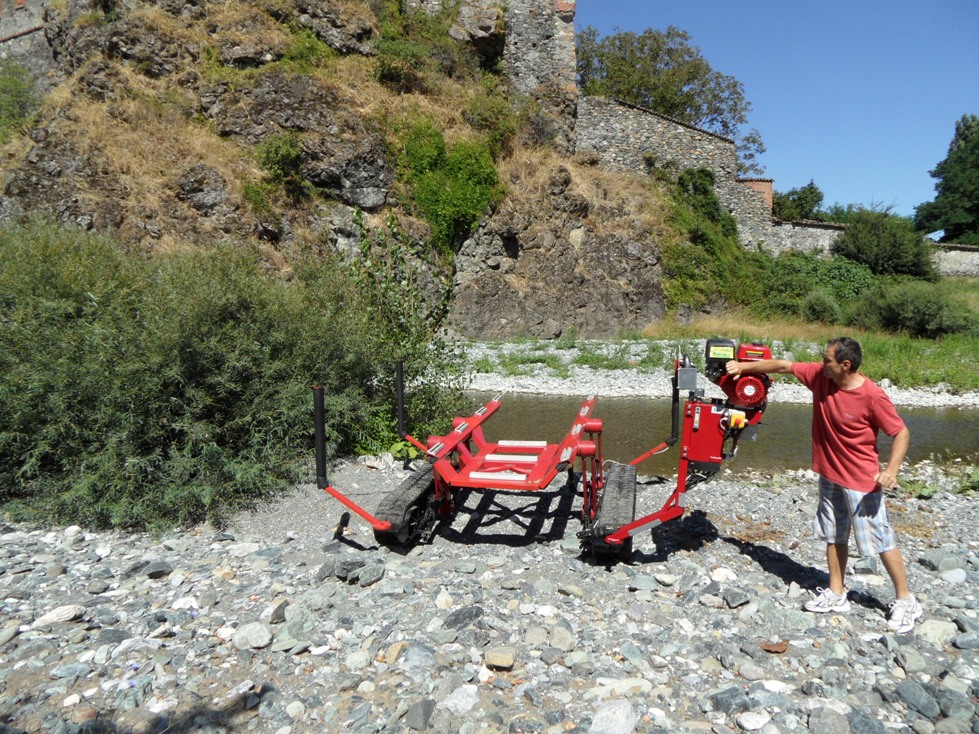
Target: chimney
(763, 186)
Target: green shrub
(970, 482)
(568, 339)
(415, 49)
(306, 52)
(18, 100)
(792, 276)
(710, 267)
(490, 113)
(820, 306)
(424, 150)
(404, 66)
(619, 358)
(844, 278)
(515, 363)
(281, 157)
(886, 243)
(451, 186)
(696, 187)
(915, 308)
(138, 392)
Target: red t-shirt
(845, 425)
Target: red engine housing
(747, 391)
(750, 391)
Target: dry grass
(243, 25)
(139, 143)
(444, 108)
(148, 136)
(619, 204)
(166, 25)
(354, 78)
(526, 172)
(745, 327)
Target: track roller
(409, 508)
(616, 507)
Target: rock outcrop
(141, 137)
(535, 267)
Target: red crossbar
(503, 465)
(350, 504)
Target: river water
(632, 426)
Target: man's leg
(832, 524)
(873, 531)
(836, 558)
(894, 565)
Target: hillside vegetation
(220, 207)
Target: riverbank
(293, 619)
(543, 368)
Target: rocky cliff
(140, 136)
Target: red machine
(463, 458)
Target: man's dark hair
(847, 348)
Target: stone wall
(957, 260)
(22, 41)
(538, 49)
(634, 139)
(815, 237)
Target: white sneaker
(903, 614)
(824, 600)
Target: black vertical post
(399, 393)
(319, 421)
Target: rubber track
(617, 507)
(394, 506)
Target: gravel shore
(293, 619)
(571, 379)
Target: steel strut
(322, 480)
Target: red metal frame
(711, 419)
(463, 458)
(707, 426)
(377, 524)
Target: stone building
(635, 139)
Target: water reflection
(635, 425)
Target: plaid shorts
(841, 508)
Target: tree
(956, 206)
(797, 204)
(886, 243)
(662, 71)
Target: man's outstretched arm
(765, 366)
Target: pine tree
(956, 206)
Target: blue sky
(861, 97)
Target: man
(848, 411)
